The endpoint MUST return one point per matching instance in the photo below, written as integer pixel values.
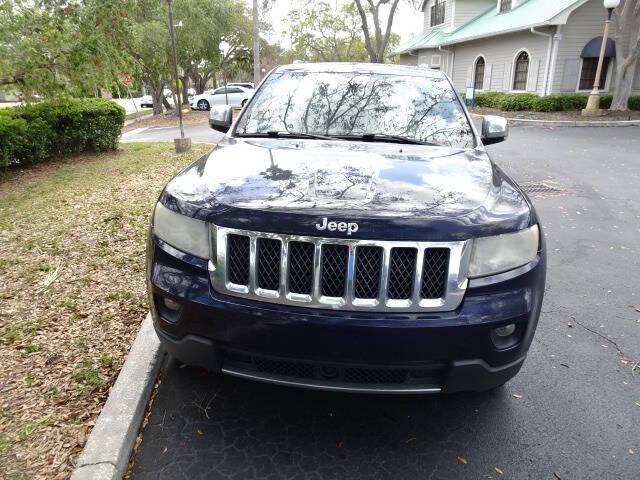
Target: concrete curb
(137, 119)
(567, 123)
(107, 452)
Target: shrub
(558, 102)
(35, 133)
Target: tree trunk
(376, 51)
(627, 23)
(157, 96)
(185, 95)
(256, 45)
(623, 85)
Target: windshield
(359, 105)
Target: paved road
(200, 132)
(577, 418)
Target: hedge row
(514, 102)
(35, 133)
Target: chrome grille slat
(429, 273)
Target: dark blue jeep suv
(349, 233)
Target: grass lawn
(72, 295)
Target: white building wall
(427, 56)
(499, 55)
(584, 23)
(466, 10)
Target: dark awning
(592, 48)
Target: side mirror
(220, 118)
(494, 129)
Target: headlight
(182, 232)
(497, 254)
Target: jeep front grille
(339, 273)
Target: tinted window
(233, 90)
(345, 104)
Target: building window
(478, 75)
(521, 72)
(588, 73)
(437, 13)
(505, 6)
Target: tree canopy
(58, 46)
(319, 33)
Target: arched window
(478, 74)
(521, 71)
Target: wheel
(244, 102)
(203, 105)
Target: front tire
(203, 105)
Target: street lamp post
(593, 103)
(182, 144)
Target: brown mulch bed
(569, 116)
(72, 295)
(170, 119)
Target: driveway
(572, 413)
(199, 132)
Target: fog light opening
(168, 309)
(507, 336)
(506, 330)
(172, 305)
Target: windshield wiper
(383, 137)
(285, 134)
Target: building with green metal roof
(536, 46)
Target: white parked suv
(236, 96)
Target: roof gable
(530, 13)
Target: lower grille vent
(431, 374)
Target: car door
(236, 95)
(217, 96)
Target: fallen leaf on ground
(200, 432)
(498, 470)
(631, 451)
(462, 460)
(517, 395)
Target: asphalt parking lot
(573, 412)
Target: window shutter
(570, 75)
(532, 82)
(506, 81)
(486, 83)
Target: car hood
(288, 186)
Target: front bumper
(339, 350)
